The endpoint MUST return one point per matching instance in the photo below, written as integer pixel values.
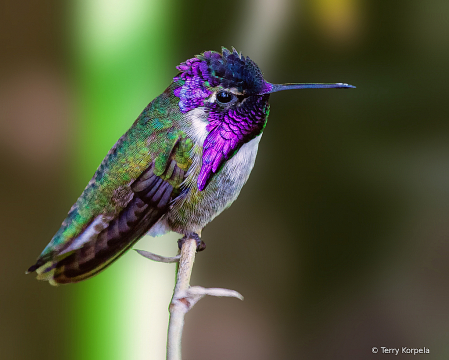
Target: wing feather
(130, 191)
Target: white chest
(194, 210)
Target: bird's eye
(224, 97)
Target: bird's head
(232, 91)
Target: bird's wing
(128, 194)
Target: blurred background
(340, 239)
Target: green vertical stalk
(120, 56)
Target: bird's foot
(200, 244)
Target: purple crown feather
(210, 69)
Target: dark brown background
(339, 241)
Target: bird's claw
(200, 244)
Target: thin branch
(180, 304)
(158, 258)
(185, 297)
(200, 291)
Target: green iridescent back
(152, 137)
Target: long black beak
(271, 88)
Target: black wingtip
(34, 267)
(31, 269)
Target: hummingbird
(181, 163)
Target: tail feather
(95, 255)
(87, 255)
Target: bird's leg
(200, 244)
